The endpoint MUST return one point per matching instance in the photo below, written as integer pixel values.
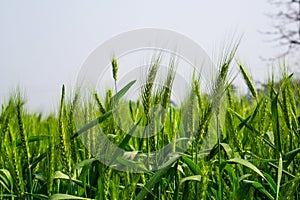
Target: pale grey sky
(44, 43)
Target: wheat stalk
(62, 146)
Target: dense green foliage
(255, 157)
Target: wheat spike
(114, 64)
(248, 81)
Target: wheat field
(255, 155)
